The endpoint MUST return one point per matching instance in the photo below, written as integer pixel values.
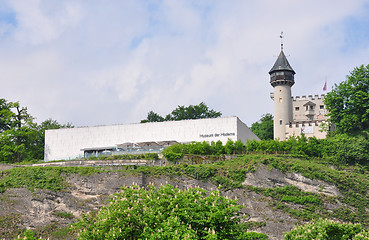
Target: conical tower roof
(281, 64)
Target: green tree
(20, 137)
(5, 114)
(18, 125)
(164, 213)
(194, 112)
(264, 127)
(182, 113)
(348, 102)
(328, 230)
(153, 117)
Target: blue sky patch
(357, 31)
(7, 15)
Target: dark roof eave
(286, 70)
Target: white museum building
(74, 143)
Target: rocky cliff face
(40, 208)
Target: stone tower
(282, 79)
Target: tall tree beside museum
(20, 137)
(4, 115)
(182, 113)
(264, 127)
(348, 102)
(16, 127)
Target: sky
(102, 62)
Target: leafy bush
(29, 235)
(164, 213)
(229, 147)
(347, 149)
(217, 148)
(201, 172)
(177, 151)
(174, 152)
(327, 229)
(198, 148)
(253, 236)
(301, 199)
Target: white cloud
(103, 62)
(39, 22)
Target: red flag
(325, 86)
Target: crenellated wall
(309, 108)
(309, 97)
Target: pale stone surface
(282, 110)
(67, 143)
(270, 178)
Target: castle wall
(305, 113)
(309, 128)
(68, 143)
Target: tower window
(311, 107)
(297, 108)
(321, 106)
(280, 122)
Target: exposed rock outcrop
(87, 193)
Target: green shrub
(301, 199)
(201, 172)
(253, 236)
(229, 147)
(347, 149)
(217, 148)
(164, 213)
(174, 152)
(327, 229)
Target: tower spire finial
(281, 37)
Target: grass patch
(282, 197)
(51, 178)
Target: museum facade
(75, 143)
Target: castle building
(294, 116)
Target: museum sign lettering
(217, 135)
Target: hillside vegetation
(350, 204)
